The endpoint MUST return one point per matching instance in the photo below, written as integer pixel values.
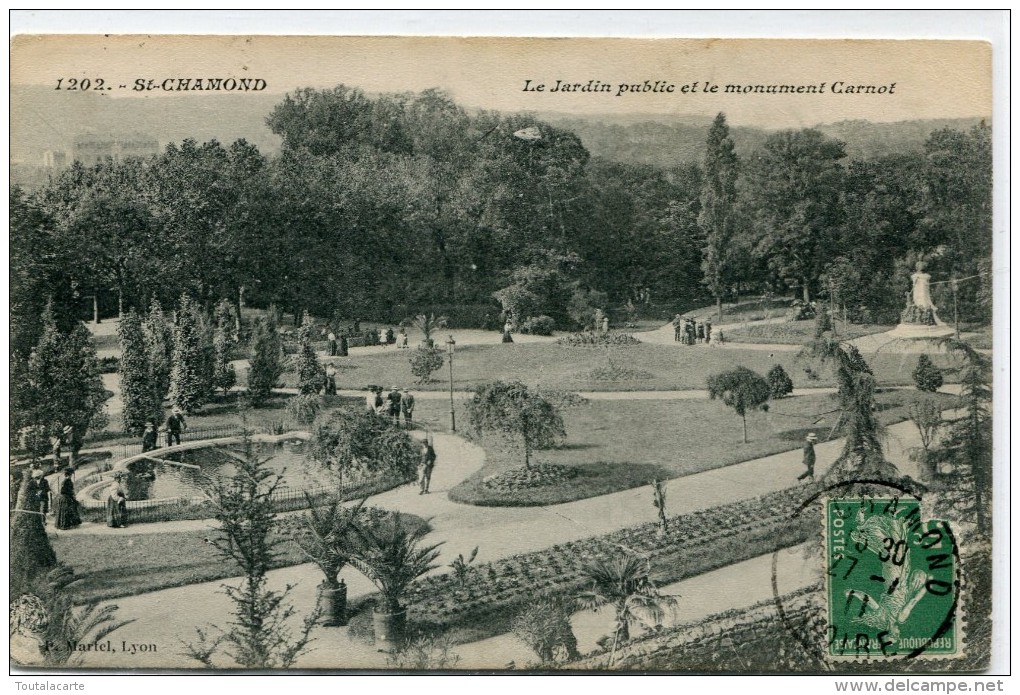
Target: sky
(921, 79)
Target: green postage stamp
(892, 581)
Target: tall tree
(142, 401)
(794, 185)
(266, 364)
(718, 207)
(311, 376)
(159, 346)
(189, 383)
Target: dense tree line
(379, 207)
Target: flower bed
(493, 593)
(597, 339)
(523, 478)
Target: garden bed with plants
(597, 339)
(797, 332)
(482, 600)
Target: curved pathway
(167, 617)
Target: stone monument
(920, 319)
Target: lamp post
(450, 344)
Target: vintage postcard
(501, 354)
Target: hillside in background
(43, 119)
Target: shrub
(305, 408)
(780, 383)
(109, 364)
(425, 361)
(537, 325)
(927, 376)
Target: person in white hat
(809, 457)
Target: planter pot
(331, 603)
(390, 629)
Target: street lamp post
(449, 351)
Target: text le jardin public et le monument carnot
(621, 89)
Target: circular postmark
(890, 586)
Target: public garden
(274, 467)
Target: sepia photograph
(397, 354)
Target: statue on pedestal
(920, 309)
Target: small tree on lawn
(159, 346)
(266, 366)
(31, 553)
(926, 414)
(927, 376)
(189, 388)
(429, 325)
(259, 636)
(523, 417)
(224, 375)
(425, 361)
(142, 401)
(780, 383)
(311, 375)
(741, 389)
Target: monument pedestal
(920, 331)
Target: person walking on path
(330, 380)
(809, 457)
(428, 463)
(331, 343)
(175, 424)
(67, 515)
(149, 437)
(407, 407)
(708, 331)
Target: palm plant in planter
(391, 555)
(328, 541)
(429, 325)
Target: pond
(186, 473)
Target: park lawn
(658, 367)
(797, 332)
(113, 565)
(621, 444)
(749, 310)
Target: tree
(741, 389)
(425, 361)
(519, 415)
(224, 375)
(32, 554)
(659, 502)
(545, 625)
(159, 346)
(266, 365)
(718, 208)
(623, 583)
(67, 390)
(429, 325)
(780, 383)
(794, 185)
(391, 554)
(142, 402)
(926, 375)
(311, 375)
(190, 377)
(259, 636)
(355, 445)
(926, 414)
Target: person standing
(343, 346)
(428, 463)
(403, 338)
(407, 407)
(67, 515)
(701, 332)
(809, 457)
(330, 380)
(708, 331)
(678, 323)
(175, 424)
(331, 343)
(394, 404)
(149, 437)
(370, 404)
(43, 493)
(605, 324)
(116, 507)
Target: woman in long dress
(67, 506)
(116, 508)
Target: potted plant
(328, 540)
(391, 555)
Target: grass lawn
(617, 445)
(750, 310)
(569, 368)
(128, 564)
(797, 332)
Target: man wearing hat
(175, 424)
(394, 403)
(407, 407)
(149, 437)
(809, 457)
(428, 463)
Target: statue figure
(921, 296)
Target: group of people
(174, 427)
(335, 347)
(394, 404)
(40, 499)
(690, 332)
